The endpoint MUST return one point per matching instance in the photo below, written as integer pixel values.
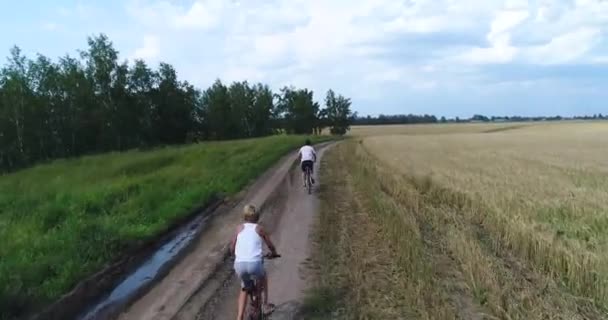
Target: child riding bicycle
(248, 262)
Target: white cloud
(501, 51)
(499, 38)
(150, 49)
(366, 47)
(506, 20)
(202, 15)
(566, 47)
(553, 32)
(599, 60)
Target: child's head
(250, 214)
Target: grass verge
(369, 251)
(61, 222)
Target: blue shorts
(246, 270)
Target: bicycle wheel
(255, 309)
(308, 181)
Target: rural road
(203, 286)
(287, 275)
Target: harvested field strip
(393, 246)
(372, 259)
(547, 213)
(507, 128)
(485, 245)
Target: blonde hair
(250, 213)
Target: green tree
(78, 97)
(216, 111)
(298, 110)
(101, 61)
(143, 86)
(338, 113)
(173, 116)
(94, 103)
(241, 98)
(264, 112)
(17, 97)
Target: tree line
(96, 103)
(420, 119)
(393, 119)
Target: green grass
(63, 221)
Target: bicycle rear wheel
(309, 181)
(255, 309)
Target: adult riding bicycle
(308, 157)
(308, 179)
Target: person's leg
(267, 308)
(263, 287)
(303, 167)
(265, 291)
(310, 166)
(240, 269)
(241, 305)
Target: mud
(101, 284)
(152, 269)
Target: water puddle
(144, 274)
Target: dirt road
(203, 286)
(287, 275)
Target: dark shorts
(307, 164)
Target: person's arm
(233, 242)
(266, 238)
(314, 153)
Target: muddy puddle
(143, 276)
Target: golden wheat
(469, 222)
(539, 193)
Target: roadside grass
(63, 221)
(365, 253)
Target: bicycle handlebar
(272, 256)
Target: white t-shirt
(248, 244)
(308, 153)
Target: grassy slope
(63, 221)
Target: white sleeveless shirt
(248, 244)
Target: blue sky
(443, 57)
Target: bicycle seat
(249, 285)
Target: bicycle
(308, 180)
(254, 295)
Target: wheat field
(505, 222)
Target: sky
(442, 57)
